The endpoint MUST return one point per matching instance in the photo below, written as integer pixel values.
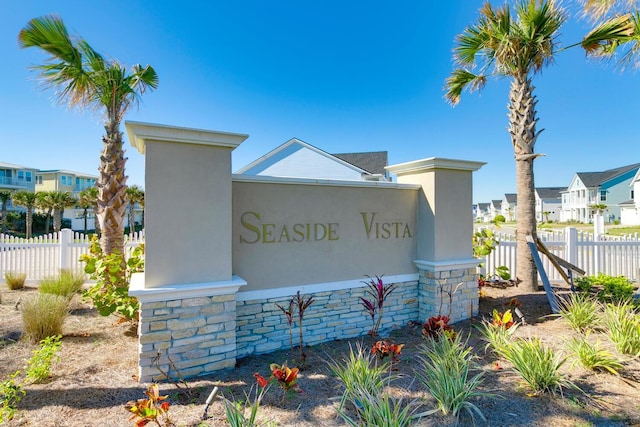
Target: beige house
(64, 180)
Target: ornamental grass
(43, 316)
(15, 280)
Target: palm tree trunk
(3, 217)
(132, 227)
(522, 121)
(112, 204)
(57, 220)
(28, 222)
(84, 215)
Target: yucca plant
(43, 315)
(496, 336)
(593, 356)
(14, 280)
(446, 372)
(581, 311)
(538, 365)
(381, 411)
(65, 285)
(360, 373)
(623, 325)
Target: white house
(610, 188)
(508, 206)
(630, 209)
(297, 159)
(548, 203)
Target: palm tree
(135, 195)
(87, 199)
(61, 200)
(28, 200)
(597, 9)
(46, 203)
(85, 78)
(518, 47)
(5, 196)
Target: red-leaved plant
(289, 313)
(286, 377)
(379, 293)
(152, 409)
(502, 320)
(383, 349)
(436, 326)
(303, 303)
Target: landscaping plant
(446, 373)
(623, 325)
(235, 410)
(302, 302)
(65, 285)
(289, 314)
(39, 366)
(581, 311)
(498, 336)
(381, 411)
(382, 349)
(43, 315)
(154, 408)
(286, 377)
(14, 280)
(379, 293)
(609, 288)
(11, 393)
(593, 356)
(436, 326)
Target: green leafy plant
(288, 312)
(112, 274)
(502, 320)
(609, 288)
(623, 325)
(381, 411)
(302, 302)
(446, 373)
(593, 356)
(581, 311)
(154, 408)
(235, 410)
(11, 393)
(379, 293)
(39, 366)
(538, 365)
(43, 316)
(65, 285)
(14, 280)
(497, 336)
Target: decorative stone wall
(196, 335)
(338, 314)
(448, 292)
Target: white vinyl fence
(44, 256)
(610, 255)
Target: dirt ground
(95, 377)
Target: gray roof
(496, 202)
(511, 197)
(595, 179)
(550, 192)
(5, 165)
(483, 207)
(373, 162)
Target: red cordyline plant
(289, 313)
(286, 377)
(151, 409)
(436, 326)
(303, 303)
(383, 349)
(379, 293)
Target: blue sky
(343, 76)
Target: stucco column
(444, 228)
(187, 292)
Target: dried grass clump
(15, 281)
(43, 316)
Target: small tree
(135, 195)
(29, 201)
(87, 199)
(5, 196)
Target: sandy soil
(95, 377)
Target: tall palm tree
(29, 201)
(5, 196)
(87, 199)
(135, 195)
(84, 78)
(518, 47)
(46, 203)
(61, 200)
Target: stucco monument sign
(222, 250)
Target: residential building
(630, 209)
(16, 178)
(298, 159)
(609, 188)
(548, 203)
(495, 209)
(64, 180)
(508, 206)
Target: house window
(38, 179)
(632, 195)
(20, 175)
(66, 180)
(603, 195)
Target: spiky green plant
(381, 411)
(496, 336)
(593, 356)
(14, 280)
(65, 285)
(43, 315)
(581, 311)
(538, 365)
(446, 372)
(623, 324)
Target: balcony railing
(13, 182)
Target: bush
(609, 288)
(39, 366)
(15, 280)
(581, 311)
(500, 218)
(593, 356)
(42, 316)
(623, 324)
(65, 285)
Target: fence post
(66, 236)
(571, 240)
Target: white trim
(319, 287)
(458, 264)
(191, 290)
(139, 133)
(261, 179)
(434, 163)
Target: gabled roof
(483, 207)
(496, 203)
(373, 162)
(550, 192)
(596, 179)
(511, 197)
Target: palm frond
(461, 79)
(604, 39)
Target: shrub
(39, 366)
(379, 293)
(538, 365)
(381, 411)
(446, 374)
(65, 285)
(610, 288)
(15, 280)
(43, 316)
(150, 409)
(496, 333)
(581, 311)
(435, 326)
(500, 218)
(11, 393)
(623, 324)
(593, 356)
